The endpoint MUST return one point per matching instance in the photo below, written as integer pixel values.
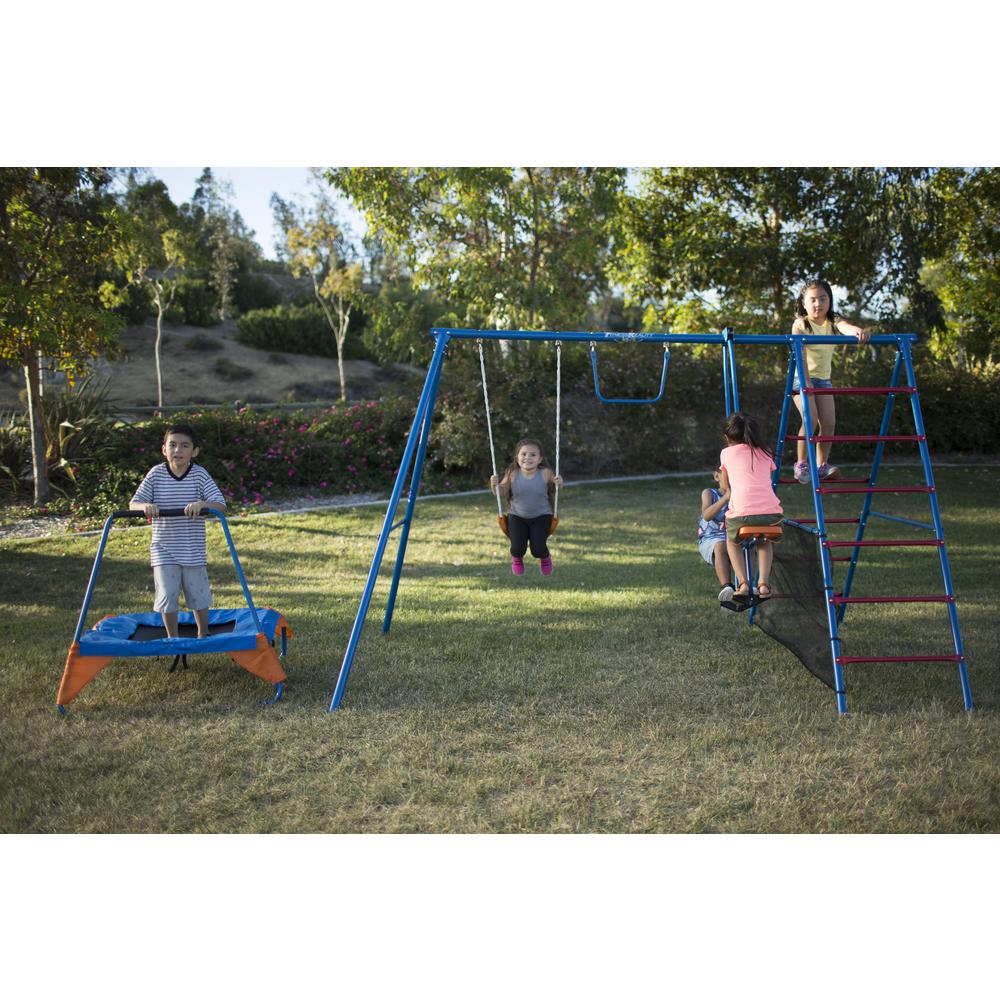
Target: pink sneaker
(517, 565)
(545, 565)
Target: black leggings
(529, 529)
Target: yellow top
(819, 357)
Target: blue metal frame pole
(433, 373)
(925, 458)
(82, 620)
(779, 448)
(236, 562)
(729, 354)
(726, 392)
(798, 351)
(411, 501)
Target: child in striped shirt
(177, 550)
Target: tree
(965, 277)
(59, 230)
(315, 245)
(227, 246)
(730, 246)
(154, 253)
(521, 246)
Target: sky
(252, 190)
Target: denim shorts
(706, 546)
(817, 383)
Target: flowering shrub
(255, 455)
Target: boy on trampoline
(177, 549)
(746, 466)
(527, 485)
(814, 314)
(712, 534)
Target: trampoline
(247, 634)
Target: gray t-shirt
(529, 497)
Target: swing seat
(767, 532)
(502, 521)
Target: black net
(796, 615)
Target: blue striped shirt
(177, 540)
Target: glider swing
(501, 516)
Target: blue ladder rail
(902, 383)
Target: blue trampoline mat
(233, 629)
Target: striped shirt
(177, 541)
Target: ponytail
(742, 428)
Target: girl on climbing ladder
(814, 314)
(528, 485)
(746, 466)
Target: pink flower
(322, 485)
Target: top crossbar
(659, 338)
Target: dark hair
(513, 467)
(800, 308)
(741, 428)
(185, 429)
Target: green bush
(255, 291)
(195, 304)
(355, 447)
(298, 330)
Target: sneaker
(726, 594)
(828, 471)
(517, 565)
(545, 565)
(802, 472)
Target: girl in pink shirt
(747, 464)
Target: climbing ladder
(902, 383)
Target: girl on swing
(528, 486)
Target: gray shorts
(706, 546)
(169, 579)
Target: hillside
(209, 366)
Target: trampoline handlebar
(166, 512)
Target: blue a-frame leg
(418, 435)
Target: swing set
(414, 454)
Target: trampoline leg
(279, 690)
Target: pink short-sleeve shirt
(749, 470)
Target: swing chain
(489, 425)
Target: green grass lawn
(613, 697)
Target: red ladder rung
(884, 542)
(840, 558)
(861, 390)
(875, 489)
(839, 479)
(900, 659)
(857, 437)
(924, 599)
